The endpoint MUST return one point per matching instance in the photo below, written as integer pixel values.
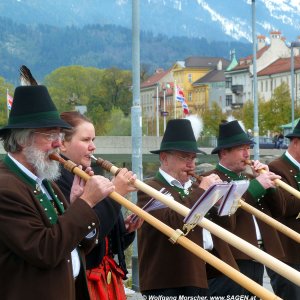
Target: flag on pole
(180, 97)
(9, 101)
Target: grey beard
(43, 166)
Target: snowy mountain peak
(211, 19)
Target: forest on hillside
(45, 48)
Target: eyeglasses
(186, 159)
(54, 136)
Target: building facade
(239, 80)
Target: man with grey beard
(43, 239)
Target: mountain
(48, 34)
(44, 48)
(210, 19)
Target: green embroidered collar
(230, 174)
(51, 207)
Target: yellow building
(186, 72)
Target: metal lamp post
(164, 108)
(255, 100)
(293, 45)
(136, 123)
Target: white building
(239, 79)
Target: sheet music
(230, 201)
(153, 204)
(208, 199)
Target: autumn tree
(74, 85)
(212, 117)
(99, 90)
(277, 111)
(117, 90)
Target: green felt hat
(295, 133)
(179, 136)
(231, 134)
(33, 108)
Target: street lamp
(293, 45)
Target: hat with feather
(231, 134)
(32, 107)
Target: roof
(205, 62)
(212, 76)
(281, 65)
(233, 64)
(154, 79)
(245, 62)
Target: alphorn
(262, 216)
(279, 182)
(177, 237)
(252, 251)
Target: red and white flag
(9, 101)
(180, 97)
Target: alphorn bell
(177, 237)
(262, 216)
(252, 251)
(279, 182)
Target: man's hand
(209, 180)
(258, 167)
(267, 179)
(132, 225)
(78, 185)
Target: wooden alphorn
(177, 237)
(252, 251)
(262, 216)
(279, 182)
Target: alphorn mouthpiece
(197, 177)
(55, 156)
(248, 162)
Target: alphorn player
(286, 208)
(43, 239)
(233, 149)
(166, 269)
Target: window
(190, 78)
(228, 82)
(228, 100)
(190, 96)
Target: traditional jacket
(111, 225)
(36, 244)
(163, 264)
(242, 224)
(286, 207)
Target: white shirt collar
(174, 182)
